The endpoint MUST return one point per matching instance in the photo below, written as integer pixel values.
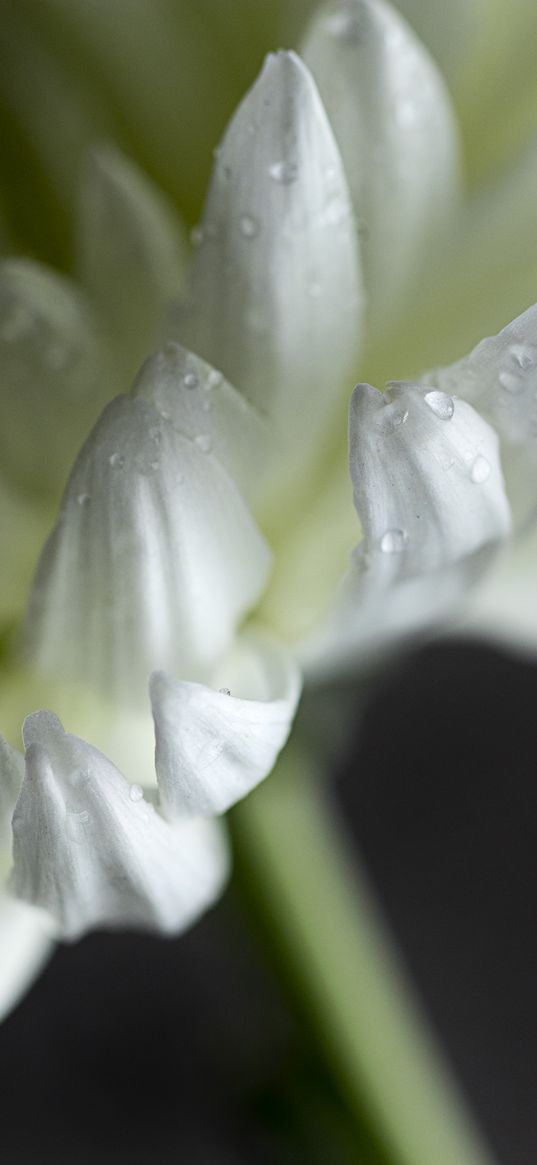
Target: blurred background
(140, 1050)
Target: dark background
(134, 1049)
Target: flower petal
(11, 777)
(393, 120)
(276, 273)
(152, 563)
(196, 399)
(53, 374)
(427, 465)
(429, 492)
(500, 378)
(26, 942)
(90, 850)
(131, 250)
(214, 746)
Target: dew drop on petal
(136, 793)
(393, 541)
(442, 405)
(480, 470)
(399, 418)
(224, 691)
(84, 499)
(116, 461)
(190, 380)
(214, 378)
(203, 441)
(510, 382)
(522, 356)
(249, 226)
(284, 172)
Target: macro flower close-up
(258, 444)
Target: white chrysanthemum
(206, 548)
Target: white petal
(92, 852)
(26, 942)
(430, 495)
(500, 378)
(275, 277)
(53, 374)
(427, 465)
(392, 117)
(451, 32)
(131, 250)
(11, 776)
(214, 745)
(152, 563)
(196, 399)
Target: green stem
(322, 908)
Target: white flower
(201, 551)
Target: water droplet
(510, 383)
(214, 378)
(284, 172)
(196, 236)
(79, 777)
(203, 441)
(441, 404)
(522, 356)
(345, 26)
(393, 541)
(116, 461)
(335, 212)
(136, 793)
(399, 417)
(249, 226)
(480, 470)
(190, 380)
(224, 691)
(84, 499)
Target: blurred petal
(53, 374)
(49, 110)
(214, 746)
(26, 942)
(453, 33)
(393, 120)
(11, 776)
(276, 276)
(152, 563)
(500, 378)
(131, 250)
(92, 852)
(196, 399)
(429, 492)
